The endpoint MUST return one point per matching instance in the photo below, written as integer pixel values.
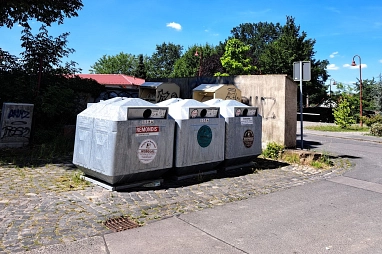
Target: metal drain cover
(120, 224)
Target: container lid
(233, 108)
(122, 109)
(208, 87)
(190, 108)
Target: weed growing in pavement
(291, 158)
(273, 151)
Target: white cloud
(174, 25)
(349, 66)
(380, 61)
(332, 55)
(332, 67)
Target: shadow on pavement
(169, 182)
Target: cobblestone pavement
(48, 205)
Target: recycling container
(124, 140)
(199, 136)
(205, 92)
(242, 131)
(158, 91)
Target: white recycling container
(199, 136)
(124, 140)
(242, 133)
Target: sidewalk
(216, 216)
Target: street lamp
(360, 87)
(330, 91)
(330, 97)
(200, 60)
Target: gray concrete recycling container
(199, 136)
(124, 140)
(242, 133)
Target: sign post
(301, 72)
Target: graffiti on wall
(231, 94)
(164, 95)
(266, 107)
(16, 122)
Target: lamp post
(200, 60)
(330, 89)
(330, 97)
(360, 87)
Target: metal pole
(301, 114)
(360, 91)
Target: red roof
(114, 79)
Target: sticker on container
(158, 113)
(238, 112)
(146, 130)
(194, 113)
(248, 138)
(246, 120)
(212, 113)
(204, 136)
(147, 151)
(252, 112)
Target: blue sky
(342, 29)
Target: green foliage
(45, 11)
(207, 61)
(336, 128)
(376, 129)
(342, 114)
(369, 121)
(273, 150)
(163, 60)
(236, 59)
(275, 47)
(122, 63)
(140, 71)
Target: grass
(335, 128)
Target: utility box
(124, 140)
(206, 92)
(242, 131)
(199, 136)
(155, 92)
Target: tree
(207, 61)
(371, 94)
(342, 114)
(140, 71)
(257, 35)
(43, 53)
(236, 59)
(45, 11)
(163, 60)
(122, 63)
(274, 48)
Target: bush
(376, 129)
(369, 121)
(343, 115)
(273, 150)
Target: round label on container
(248, 138)
(204, 136)
(147, 151)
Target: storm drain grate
(120, 224)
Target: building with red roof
(117, 85)
(115, 80)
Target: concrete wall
(274, 95)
